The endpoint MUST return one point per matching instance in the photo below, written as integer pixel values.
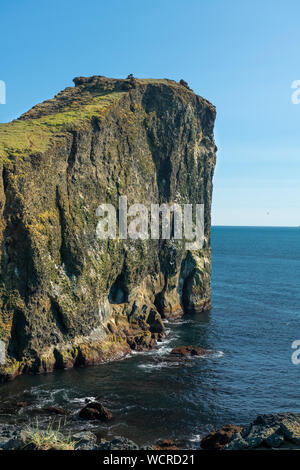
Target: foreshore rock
(95, 411)
(67, 298)
(218, 439)
(183, 351)
(14, 438)
(168, 444)
(266, 431)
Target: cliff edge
(66, 297)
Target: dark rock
(189, 351)
(286, 424)
(185, 84)
(142, 342)
(13, 444)
(266, 431)
(95, 411)
(84, 440)
(218, 439)
(118, 443)
(155, 322)
(236, 443)
(274, 440)
(23, 404)
(166, 444)
(10, 437)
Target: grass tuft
(48, 439)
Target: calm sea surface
(250, 329)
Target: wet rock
(155, 322)
(85, 440)
(118, 443)
(142, 342)
(13, 444)
(166, 444)
(10, 437)
(218, 439)
(95, 411)
(182, 351)
(288, 423)
(256, 435)
(23, 404)
(274, 441)
(236, 443)
(54, 411)
(266, 431)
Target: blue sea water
(250, 329)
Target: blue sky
(241, 55)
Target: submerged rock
(95, 411)
(54, 410)
(189, 351)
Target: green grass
(48, 439)
(23, 137)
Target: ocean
(255, 318)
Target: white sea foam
(150, 366)
(218, 354)
(195, 438)
(182, 322)
(83, 399)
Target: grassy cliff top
(31, 134)
(90, 97)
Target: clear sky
(242, 55)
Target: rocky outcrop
(218, 439)
(168, 444)
(95, 411)
(183, 351)
(266, 431)
(66, 297)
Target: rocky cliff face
(66, 297)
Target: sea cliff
(66, 297)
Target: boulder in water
(189, 351)
(95, 411)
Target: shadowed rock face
(66, 297)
